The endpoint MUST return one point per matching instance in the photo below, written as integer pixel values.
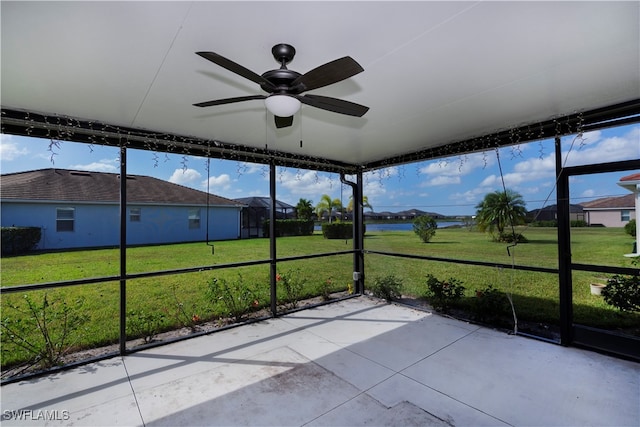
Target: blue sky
(451, 186)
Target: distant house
(632, 183)
(256, 211)
(78, 209)
(550, 213)
(610, 211)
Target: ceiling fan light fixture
(282, 105)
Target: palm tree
(304, 208)
(499, 210)
(324, 205)
(327, 205)
(336, 205)
(365, 203)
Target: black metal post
(358, 232)
(272, 237)
(123, 249)
(564, 249)
(358, 221)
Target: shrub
(237, 298)
(554, 223)
(337, 230)
(490, 305)
(506, 237)
(623, 292)
(186, 318)
(55, 321)
(388, 287)
(293, 284)
(443, 294)
(17, 240)
(544, 223)
(290, 227)
(425, 227)
(630, 228)
(143, 324)
(324, 289)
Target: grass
(535, 294)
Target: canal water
(400, 226)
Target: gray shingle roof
(622, 202)
(80, 186)
(263, 202)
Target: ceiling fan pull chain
(300, 130)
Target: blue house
(78, 209)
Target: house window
(194, 218)
(625, 215)
(65, 219)
(134, 214)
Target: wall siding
(608, 218)
(98, 225)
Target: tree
(425, 227)
(499, 210)
(336, 205)
(304, 209)
(630, 228)
(327, 205)
(365, 203)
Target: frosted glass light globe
(282, 105)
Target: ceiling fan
(286, 86)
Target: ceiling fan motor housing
(283, 53)
(281, 79)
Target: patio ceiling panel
(436, 73)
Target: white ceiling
(435, 72)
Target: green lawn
(168, 299)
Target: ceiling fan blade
(236, 68)
(334, 104)
(283, 122)
(329, 73)
(228, 100)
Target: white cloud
(384, 173)
(307, 184)
(10, 150)
(537, 167)
(374, 191)
(185, 176)
(375, 184)
(588, 193)
(526, 172)
(245, 168)
(471, 196)
(537, 174)
(490, 181)
(442, 180)
(593, 149)
(449, 171)
(217, 184)
(311, 185)
(102, 165)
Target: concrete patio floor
(352, 363)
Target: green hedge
(17, 240)
(554, 223)
(290, 227)
(337, 230)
